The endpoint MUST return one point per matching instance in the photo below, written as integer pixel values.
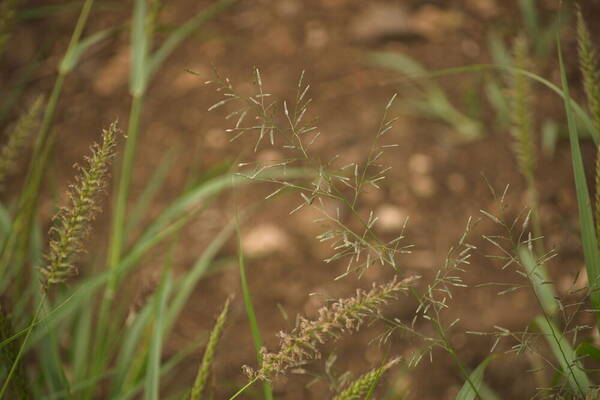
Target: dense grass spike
(209, 354)
(522, 109)
(17, 139)
(73, 221)
(360, 388)
(344, 315)
(8, 11)
(588, 63)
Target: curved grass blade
(476, 378)
(152, 387)
(184, 31)
(538, 278)
(566, 356)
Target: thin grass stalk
(252, 320)
(8, 355)
(209, 354)
(17, 358)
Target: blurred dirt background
(437, 180)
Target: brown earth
(435, 179)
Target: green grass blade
(11, 97)
(476, 378)
(166, 367)
(130, 341)
(581, 114)
(82, 340)
(184, 31)
(538, 278)
(256, 337)
(436, 102)
(139, 50)
(152, 387)
(154, 185)
(566, 356)
(586, 219)
(530, 17)
(186, 284)
(72, 58)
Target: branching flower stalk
(360, 247)
(345, 315)
(73, 222)
(17, 139)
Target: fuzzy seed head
(72, 223)
(345, 315)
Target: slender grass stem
(243, 389)
(15, 363)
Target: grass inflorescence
(344, 315)
(111, 347)
(18, 138)
(209, 354)
(73, 221)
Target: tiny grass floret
(345, 315)
(72, 223)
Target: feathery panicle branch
(17, 139)
(522, 129)
(344, 315)
(209, 353)
(73, 221)
(358, 389)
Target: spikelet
(358, 389)
(345, 315)
(17, 139)
(209, 353)
(8, 12)
(73, 222)
(521, 111)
